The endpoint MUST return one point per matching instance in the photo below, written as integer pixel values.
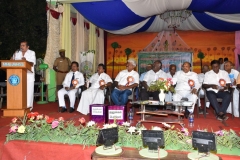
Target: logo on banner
(97, 111)
(115, 114)
(14, 80)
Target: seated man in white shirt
(211, 83)
(183, 88)
(148, 68)
(233, 74)
(170, 74)
(73, 80)
(201, 76)
(124, 82)
(150, 77)
(95, 94)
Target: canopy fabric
(130, 16)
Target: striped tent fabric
(131, 16)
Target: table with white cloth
(162, 114)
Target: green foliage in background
(23, 20)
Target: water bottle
(130, 116)
(191, 120)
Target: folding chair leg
(204, 110)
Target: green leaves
(70, 133)
(200, 55)
(115, 45)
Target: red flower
(60, 119)
(222, 82)
(32, 114)
(191, 82)
(49, 120)
(14, 120)
(46, 117)
(82, 120)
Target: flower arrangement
(37, 127)
(162, 84)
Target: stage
(47, 150)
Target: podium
(16, 87)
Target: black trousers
(146, 94)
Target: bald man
(183, 89)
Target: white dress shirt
(142, 76)
(151, 76)
(182, 80)
(213, 78)
(169, 75)
(122, 77)
(235, 73)
(95, 78)
(77, 76)
(30, 57)
(201, 77)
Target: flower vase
(161, 96)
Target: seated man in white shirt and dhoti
(233, 74)
(217, 82)
(125, 81)
(73, 80)
(170, 74)
(186, 87)
(150, 77)
(95, 94)
(201, 76)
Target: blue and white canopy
(130, 16)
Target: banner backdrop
(167, 58)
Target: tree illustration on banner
(128, 51)
(114, 45)
(200, 56)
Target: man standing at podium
(24, 53)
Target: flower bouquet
(162, 84)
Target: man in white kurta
(170, 74)
(95, 94)
(201, 76)
(124, 82)
(73, 80)
(214, 90)
(183, 89)
(150, 77)
(26, 54)
(228, 67)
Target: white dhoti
(71, 94)
(30, 94)
(90, 96)
(235, 103)
(186, 94)
(201, 94)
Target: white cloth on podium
(93, 95)
(30, 57)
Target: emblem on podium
(14, 80)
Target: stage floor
(210, 123)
